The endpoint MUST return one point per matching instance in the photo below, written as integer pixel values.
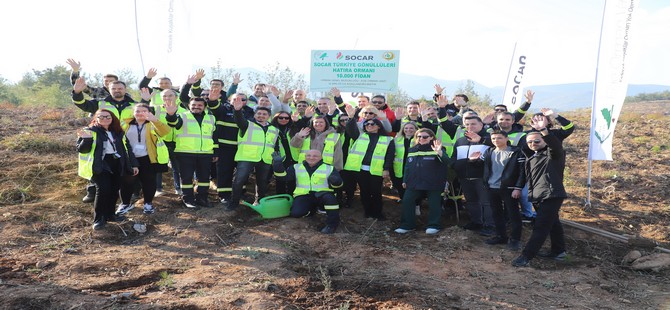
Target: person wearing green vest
(256, 141)
(104, 159)
(320, 135)
(403, 141)
(163, 84)
(425, 174)
(143, 134)
(315, 181)
(118, 102)
(284, 124)
(168, 139)
(195, 146)
(371, 158)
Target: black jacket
(425, 171)
(128, 160)
(544, 170)
(461, 166)
(513, 175)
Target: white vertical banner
(513, 95)
(611, 83)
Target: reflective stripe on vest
(328, 153)
(85, 166)
(317, 182)
(256, 144)
(227, 124)
(195, 138)
(357, 153)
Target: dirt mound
(212, 259)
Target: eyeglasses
(370, 124)
(373, 113)
(243, 99)
(104, 117)
(377, 102)
(422, 137)
(283, 117)
(536, 141)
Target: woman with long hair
(284, 123)
(403, 142)
(370, 159)
(143, 133)
(322, 137)
(104, 159)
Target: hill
(209, 259)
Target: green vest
(160, 114)
(256, 144)
(328, 153)
(447, 141)
(317, 182)
(357, 153)
(195, 138)
(126, 113)
(515, 137)
(399, 155)
(85, 168)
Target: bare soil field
(212, 259)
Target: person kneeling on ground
(315, 181)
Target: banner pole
(509, 70)
(593, 111)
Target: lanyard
(139, 131)
(110, 137)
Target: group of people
(320, 154)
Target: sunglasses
(243, 99)
(371, 113)
(377, 102)
(422, 137)
(370, 124)
(536, 141)
(104, 117)
(283, 117)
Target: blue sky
(444, 39)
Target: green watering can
(272, 207)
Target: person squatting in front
(315, 181)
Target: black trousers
(200, 165)
(501, 201)
(547, 223)
(147, 179)
(225, 168)
(106, 190)
(371, 193)
(305, 205)
(349, 186)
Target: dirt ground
(212, 259)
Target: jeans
(526, 206)
(242, 173)
(147, 178)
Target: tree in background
(284, 79)
(476, 102)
